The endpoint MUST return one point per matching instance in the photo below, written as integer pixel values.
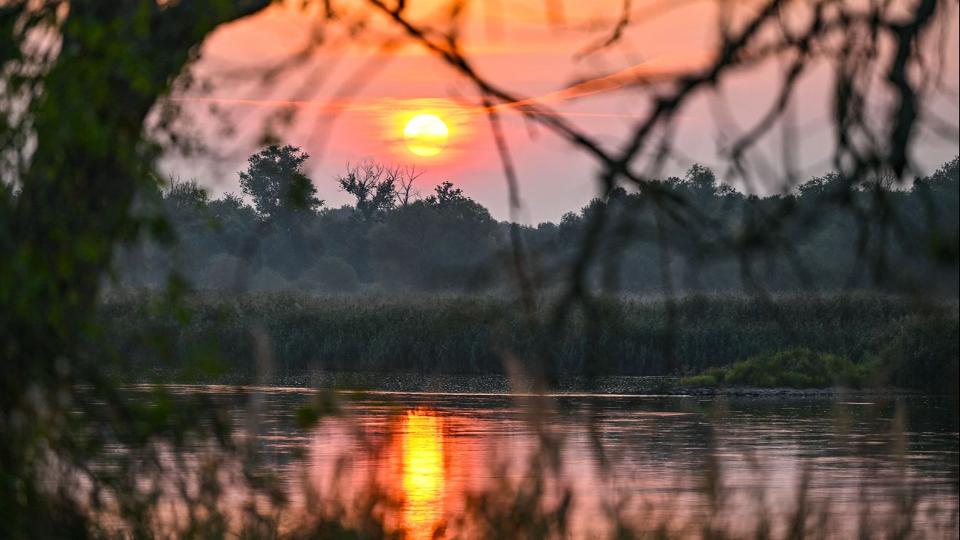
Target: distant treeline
(281, 236)
(293, 333)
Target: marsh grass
(209, 335)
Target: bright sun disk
(425, 135)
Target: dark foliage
(918, 346)
(795, 368)
(275, 182)
(447, 241)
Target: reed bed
(291, 333)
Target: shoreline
(501, 385)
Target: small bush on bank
(710, 378)
(793, 368)
(700, 381)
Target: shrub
(220, 272)
(700, 381)
(331, 274)
(923, 352)
(794, 368)
(710, 378)
(267, 279)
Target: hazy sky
(513, 42)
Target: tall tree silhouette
(274, 179)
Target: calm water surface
(650, 456)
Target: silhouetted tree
(451, 201)
(373, 185)
(445, 241)
(405, 192)
(274, 179)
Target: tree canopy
(275, 182)
(448, 241)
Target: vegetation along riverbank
(877, 338)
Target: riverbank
(415, 383)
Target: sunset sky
(524, 46)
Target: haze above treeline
(828, 235)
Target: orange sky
(511, 42)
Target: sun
(425, 135)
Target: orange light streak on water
(423, 474)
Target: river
(649, 461)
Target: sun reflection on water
(423, 473)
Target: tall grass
(917, 343)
